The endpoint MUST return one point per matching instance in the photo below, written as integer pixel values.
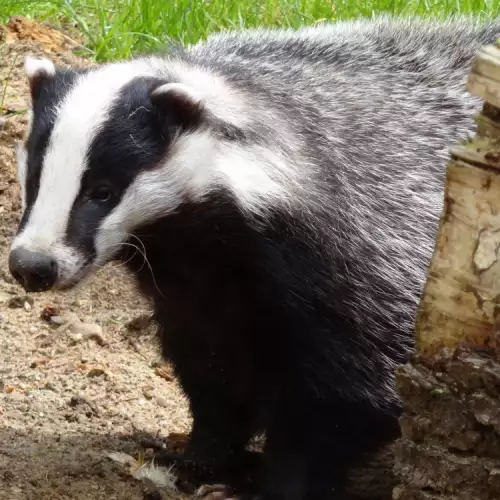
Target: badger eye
(101, 193)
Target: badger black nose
(35, 272)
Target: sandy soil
(70, 393)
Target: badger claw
(215, 492)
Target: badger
(276, 193)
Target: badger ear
(38, 72)
(178, 101)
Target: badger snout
(34, 271)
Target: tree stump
(450, 445)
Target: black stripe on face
(134, 138)
(49, 95)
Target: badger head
(113, 148)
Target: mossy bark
(450, 446)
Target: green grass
(119, 28)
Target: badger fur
(277, 195)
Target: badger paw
(222, 492)
(215, 492)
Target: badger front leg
(221, 430)
(218, 381)
(222, 461)
(216, 451)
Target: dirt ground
(84, 383)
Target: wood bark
(450, 445)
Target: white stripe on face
(79, 117)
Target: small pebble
(165, 372)
(162, 401)
(91, 331)
(148, 393)
(99, 339)
(121, 458)
(78, 337)
(140, 323)
(96, 372)
(58, 320)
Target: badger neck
(201, 248)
